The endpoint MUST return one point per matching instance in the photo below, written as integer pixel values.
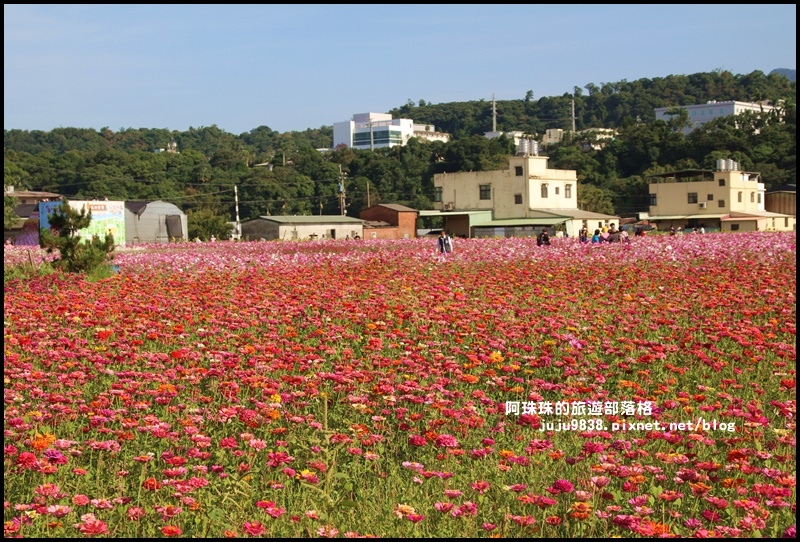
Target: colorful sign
(107, 217)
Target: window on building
(739, 196)
(653, 200)
(710, 197)
(786, 222)
(568, 191)
(437, 193)
(518, 171)
(518, 199)
(721, 203)
(734, 227)
(722, 182)
(692, 197)
(752, 197)
(544, 190)
(557, 190)
(486, 191)
(759, 198)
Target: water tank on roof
(523, 147)
(534, 147)
(721, 164)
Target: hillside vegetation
(87, 163)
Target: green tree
(74, 255)
(9, 217)
(206, 223)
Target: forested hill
(87, 163)
(608, 105)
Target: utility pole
(573, 116)
(342, 196)
(494, 115)
(237, 234)
(368, 193)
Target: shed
(389, 221)
(154, 222)
(288, 228)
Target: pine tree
(75, 255)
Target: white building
(367, 131)
(702, 113)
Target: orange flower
(42, 442)
(699, 489)
(732, 482)
(580, 510)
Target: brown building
(389, 221)
(25, 197)
(782, 199)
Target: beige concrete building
(727, 199)
(525, 196)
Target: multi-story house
(702, 113)
(512, 202)
(367, 131)
(727, 199)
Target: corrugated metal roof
(396, 207)
(435, 212)
(681, 217)
(311, 219)
(508, 222)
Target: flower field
(376, 388)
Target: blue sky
(293, 67)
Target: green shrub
(75, 254)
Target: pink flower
(480, 486)
(564, 486)
(80, 500)
(135, 513)
(254, 528)
(92, 526)
(58, 510)
(447, 441)
(443, 506)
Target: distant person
(583, 235)
(543, 239)
(596, 238)
(624, 237)
(212, 239)
(613, 234)
(444, 243)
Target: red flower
(171, 530)
(152, 484)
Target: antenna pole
(494, 115)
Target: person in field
(444, 243)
